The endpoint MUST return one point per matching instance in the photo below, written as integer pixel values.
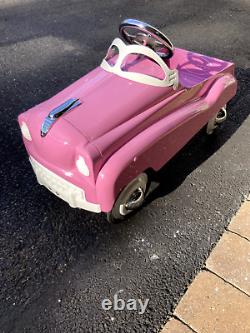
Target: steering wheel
(138, 32)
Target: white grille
(65, 190)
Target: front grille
(65, 190)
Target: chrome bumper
(65, 190)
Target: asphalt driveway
(57, 264)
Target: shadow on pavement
(202, 146)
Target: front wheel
(218, 119)
(130, 199)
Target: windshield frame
(170, 75)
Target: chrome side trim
(58, 112)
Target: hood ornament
(57, 113)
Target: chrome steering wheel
(138, 32)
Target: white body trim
(72, 194)
(171, 75)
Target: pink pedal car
(94, 143)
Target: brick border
(218, 300)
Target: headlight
(25, 131)
(82, 166)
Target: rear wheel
(218, 119)
(130, 199)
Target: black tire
(130, 199)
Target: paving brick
(212, 305)
(241, 222)
(230, 259)
(175, 326)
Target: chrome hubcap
(135, 199)
(217, 120)
(221, 116)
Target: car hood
(107, 101)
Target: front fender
(153, 147)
